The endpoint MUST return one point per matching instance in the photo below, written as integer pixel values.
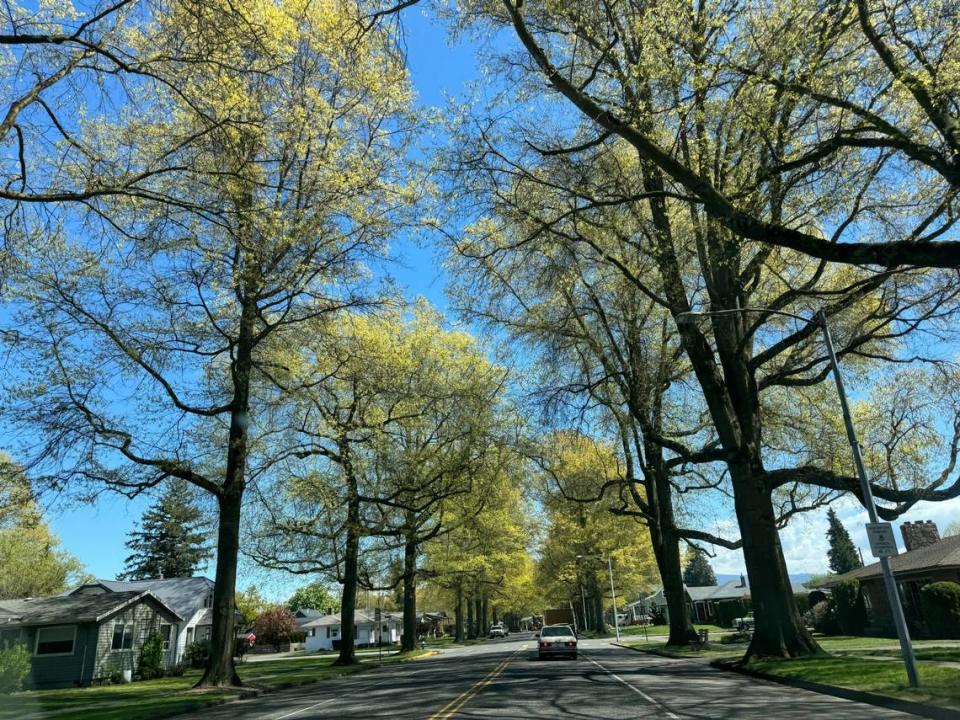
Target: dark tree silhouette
(842, 554)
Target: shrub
(941, 607)
(824, 619)
(851, 611)
(275, 626)
(197, 652)
(802, 601)
(151, 657)
(737, 637)
(178, 670)
(14, 667)
(116, 677)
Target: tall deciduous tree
(394, 422)
(842, 554)
(172, 539)
(144, 338)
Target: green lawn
(714, 652)
(938, 685)
(715, 630)
(153, 699)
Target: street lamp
(613, 593)
(875, 529)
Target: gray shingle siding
(145, 620)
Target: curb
(884, 701)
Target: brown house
(927, 559)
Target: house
(716, 604)
(191, 598)
(78, 639)
(927, 559)
(324, 633)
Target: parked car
(497, 631)
(744, 624)
(557, 640)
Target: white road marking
(304, 709)
(638, 691)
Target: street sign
(882, 541)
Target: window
(189, 635)
(204, 632)
(335, 632)
(56, 640)
(165, 634)
(313, 632)
(328, 632)
(208, 600)
(122, 637)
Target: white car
(497, 631)
(557, 640)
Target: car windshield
(560, 631)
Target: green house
(82, 639)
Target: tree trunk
(471, 626)
(484, 626)
(409, 640)
(348, 602)
(597, 600)
(220, 669)
(778, 630)
(458, 615)
(478, 614)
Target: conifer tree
(698, 572)
(171, 541)
(842, 554)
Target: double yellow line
(448, 710)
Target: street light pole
(890, 584)
(613, 594)
(893, 595)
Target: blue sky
(96, 533)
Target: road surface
(504, 679)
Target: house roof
(730, 590)
(73, 608)
(183, 595)
(943, 554)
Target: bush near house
(941, 608)
(823, 618)
(197, 652)
(151, 658)
(851, 611)
(275, 626)
(14, 668)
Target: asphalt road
(504, 679)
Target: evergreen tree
(698, 572)
(171, 539)
(842, 554)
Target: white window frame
(170, 635)
(123, 636)
(36, 641)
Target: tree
(34, 564)
(295, 183)
(574, 47)
(952, 529)
(171, 541)
(315, 596)
(250, 603)
(393, 425)
(698, 571)
(276, 625)
(742, 356)
(843, 555)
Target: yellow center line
(448, 710)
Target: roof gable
(943, 554)
(75, 608)
(184, 596)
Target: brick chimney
(919, 534)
